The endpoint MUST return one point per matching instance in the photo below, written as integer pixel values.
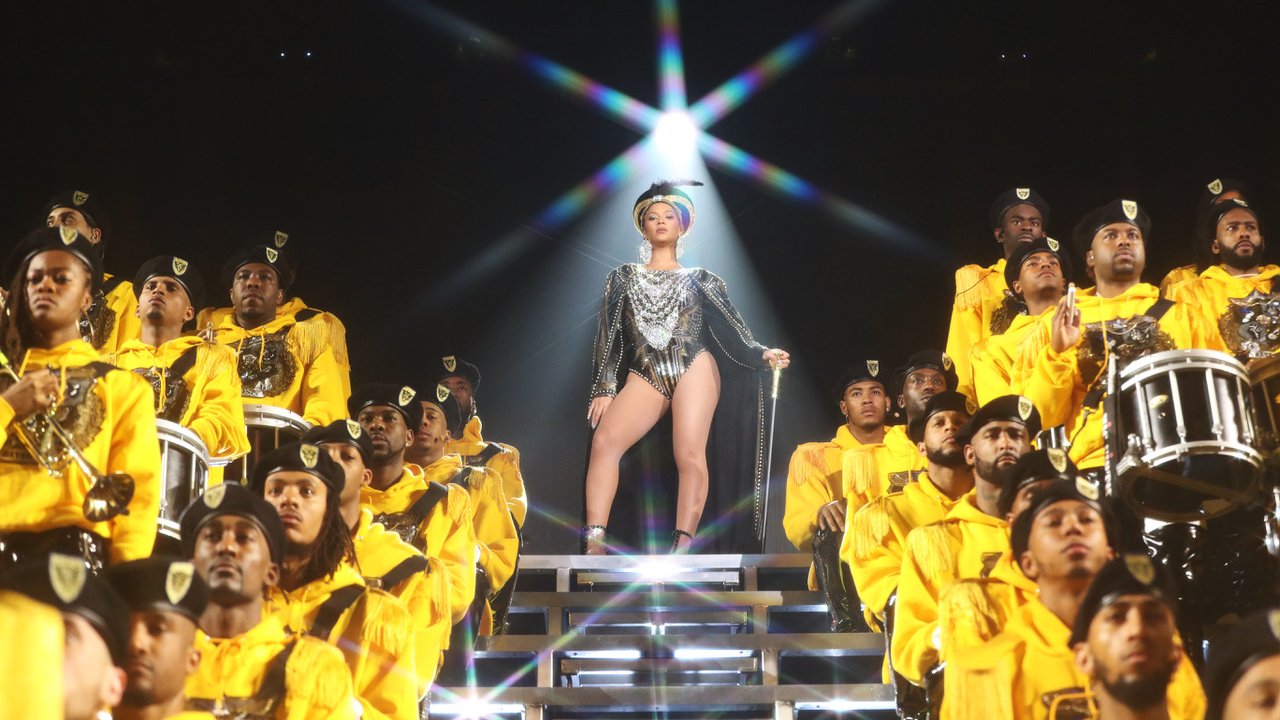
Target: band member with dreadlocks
(194, 381)
(666, 338)
(47, 501)
(285, 361)
(983, 303)
(320, 588)
(112, 318)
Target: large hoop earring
(646, 252)
(679, 247)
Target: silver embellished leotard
(655, 322)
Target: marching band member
(285, 361)
(1216, 191)
(112, 318)
(983, 306)
(250, 661)
(47, 502)
(194, 381)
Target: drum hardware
(109, 495)
(268, 428)
(184, 473)
(1179, 431)
(1272, 526)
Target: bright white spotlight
(675, 135)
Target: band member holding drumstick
(286, 361)
(323, 593)
(111, 319)
(1063, 367)
(1237, 295)
(70, 417)
(194, 381)
(333, 331)
(386, 561)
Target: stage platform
(693, 636)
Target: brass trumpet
(109, 495)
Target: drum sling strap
(490, 451)
(427, 500)
(406, 569)
(339, 601)
(185, 361)
(463, 477)
(262, 704)
(1155, 312)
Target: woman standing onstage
(47, 501)
(663, 332)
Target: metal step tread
(667, 599)
(646, 563)
(812, 644)
(863, 696)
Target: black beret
(401, 397)
(1077, 488)
(230, 498)
(161, 582)
(54, 238)
(1129, 574)
(454, 366)
(1051, 463)
(1256, 637)
(1215, 213)
(1014, 197)
(865, 371)
(930, 358)
(300, 457)
(1116, 211)
(268, 249)
(448, 404)
(1013, 268)
(942, 402)
(87, 204)
(1015, 408)
(343, 431)
(1216, 188)
(64, 582)
(174, 267)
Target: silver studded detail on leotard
(657, 296)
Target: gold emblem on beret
(1140, 568)
(79, 198)
(946, 362)
(1130, 209)
(1057, 458)
(1215, 187)
(178, 581)
(67, 574)
(406, 394)
(450, 363)
(873, 367)
(970, 406)
(354, 429)
(309, 455)
(1087, 490)
(1240, 201)
(1053, 244)
(180, 266)
(272, 254)
(1025, 407)
(1273, 621)
(442, 393)
(68, 234)
(281, 238)
(213, 497)
(1022, 193)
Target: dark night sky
(397, 153)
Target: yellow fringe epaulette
(970, 281)
(967, 609)
(490, 484)
(459, 504)
(870, 527)
(213, 359)
(316, 675)
(859, 471)
(978, 690)
(930, 546)
(387, 623)
(337, 335)
(309, 338)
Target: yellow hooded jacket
(498, 457)
(814, 478)
(979, 292)
(1210, 294)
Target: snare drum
(1264, 376)
(268, 427)
(184, 469)
(1184, 435)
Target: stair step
(581, 645)
(483, 702)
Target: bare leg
(691, 410)
(632, 414)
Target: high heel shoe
(676, 547)
(593, 542)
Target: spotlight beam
(670, 57)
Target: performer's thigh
(694, 405)
(634, 412)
